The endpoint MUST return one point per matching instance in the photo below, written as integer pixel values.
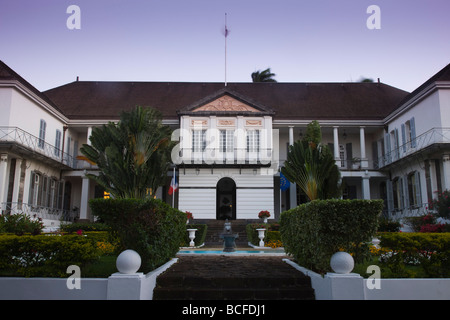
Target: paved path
(233, 277)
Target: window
(198, 140)
(395, 145)
(57, 143)
(253, 140)
(42, 128)
(397, 190)
(409, 134)
(226, 140)
(414, 189)
(45, 191)
(35, 195)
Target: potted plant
(189, 216)
(264, 215)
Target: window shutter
(401, 193)
(387, 148)
(412, 127)
(404, 137)
(32, 186)
(396, 145)
(406, 191)
(417, 187)
(390, 196)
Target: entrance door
(226, 199)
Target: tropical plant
(133, 155)
(263, 76)
(312, 167)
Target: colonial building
(231, 142)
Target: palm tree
(263, 76)
(133, 156)
(311, 165)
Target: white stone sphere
(342, 262)
(128, 262)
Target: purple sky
(182, 40)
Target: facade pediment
(226, 102)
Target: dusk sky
(182, 40)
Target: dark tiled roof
(318, 101)
(6, 73)
(441, 76)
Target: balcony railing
(35, 144)
(432, 136)
(38, 211)
(211, 156)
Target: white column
(445, 172)
(15, 195)
(84, 198)
(291, 135)
(293, 187)
(89, 134)
(241, 142)
(3, 179)
(366, 187)
(336, 146)
(362, 140)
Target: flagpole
(173, 193)
(226, 34)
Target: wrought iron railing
(35, 144)
(229, 157)
(432, 136)
(39, 211)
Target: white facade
(229, 154)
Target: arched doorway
(226, 199)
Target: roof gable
(226, 102)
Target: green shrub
(20, 224)
(442, 204)
(200, 234)
(387, 225)
(430, 250)
(314, 231)
(150, 227)
(45, 255)
(93, 226)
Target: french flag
(173, 185)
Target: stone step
(232, 278)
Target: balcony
(434, 136)
(233, 158)
(38, 211)
(26, 143)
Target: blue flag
(284, 183)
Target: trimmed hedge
(430, 250)
(200, 234)
(314, 231)
(45, 255)
(150, 227)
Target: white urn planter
(191, 236)
(261, 236)
(342, 262)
